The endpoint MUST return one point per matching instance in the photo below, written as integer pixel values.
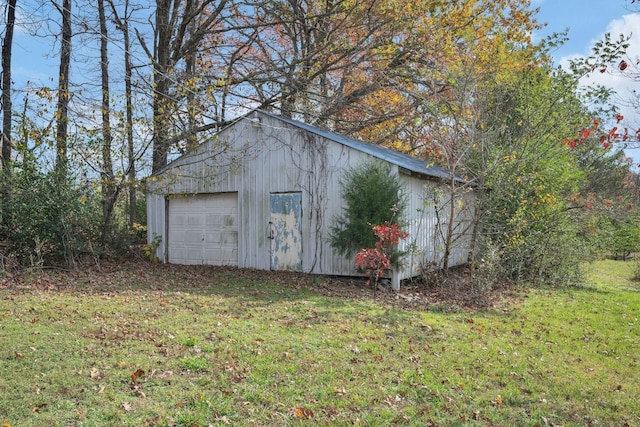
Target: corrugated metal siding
(426, 235)
(422, 241)
(340, 159)
(156, 222)
(299, 161)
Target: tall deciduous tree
(109, 189)
(7, 110)
(350, 65)
(62, 110)
(122, 23)
(304, 55)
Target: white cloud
(622, 82)
(626, 84)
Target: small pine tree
(372, 196)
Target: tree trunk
(180, 29)
(190, 71)
(448, 238)
(161, 96)
(62, 113)
(129, 107)
(476, 226)
(7, 108)
(109, 192)
(123, 25)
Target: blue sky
(586, 20)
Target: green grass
(222, 347)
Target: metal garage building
(263, 192)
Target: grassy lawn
(161, 345)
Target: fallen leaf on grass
(222, 419)
(165, 374)
(390, 400)
(340, 391)
(497, 401)
(19, 355)
(402, 419)
(94, 373)
(126, 406)
(238, 377)
(302, 412)
(137, 374)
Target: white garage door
(203, 229)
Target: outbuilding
(262, 194)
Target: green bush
(46, 222)
(620, 238)
(372, 195)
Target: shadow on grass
(251, 287)
(257, 288)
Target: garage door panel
(194, 220)
(194, 255)
(230, 256)
(213, 220)
(176, 221)
(178, 256)
(203, 229)
(230, 238)
(229, 221)
(214, 237)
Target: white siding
(423, 241)
(156, 222)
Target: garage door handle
(270, 236)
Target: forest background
(462, 84)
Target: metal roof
(397, 158)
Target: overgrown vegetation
(620, 238)
(197, 346)
(45, 223)
(541, 203)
